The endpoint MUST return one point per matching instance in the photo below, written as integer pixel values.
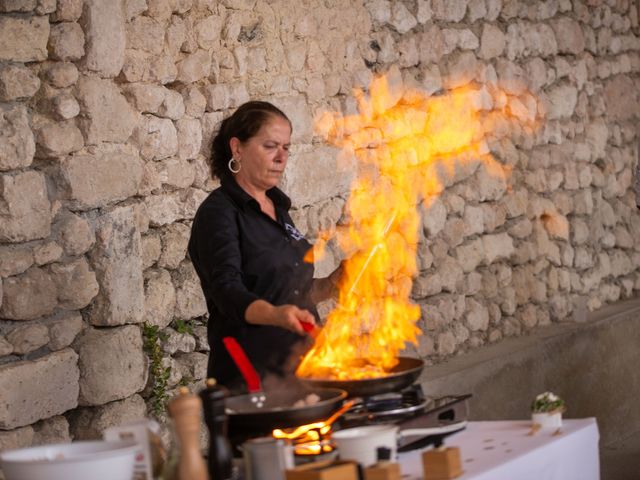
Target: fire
(308, 439)
(405, 143)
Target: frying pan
(402, 375)
(265, 411)
(277, 410)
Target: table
(504, 451)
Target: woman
(248, 253)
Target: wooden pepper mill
(186, 409)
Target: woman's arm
(289, 317)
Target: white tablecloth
(504, 451)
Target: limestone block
(46, 252)
(17, 438)
(497, 246)
(561, 102)
(492, 42)
(530, 39)
(117, 263)
(193, 365)
(175, 172)
(106, 114)
(189, 133)
(446, 343)
(176, 342)
(64, 330)
(17, 6)
(451, 274)
(146, 34)
(134, 8)
(597, 134)
(473, 219)
(66, 42)
(477, 315)
(23, 39)
(76, 284)
(434, 218)
(157, 138)
(151, 249)
(14, 259)
(52, 430)
(17, 82)
(62, 74)
(90, 181)
(401, 18)
(17, 145)
(146, 98)
(200, 334)
(470, 255)
(58, 139)
(621, 98)
(160, 69)
(27, 338)
(164, 208)
(314, 176)
(112, 364)
(90, 423)
(28, 296)
(379, 10)
(38, 389)
(569, 35)
(427, 285)
(522, 228)
(67, 11)
(24, 207)
(175, 238)
(104, 28)
(476, 10)
(490, 185)
(6, 348)
(190, 302)
(45, 7)
(194, 101)
(173, 106)
(66, 106)
(453, 232)
(461, 70)
(449, 10)
(159, 298)
(296, 108)
(194, 67)
(207, 31)
(217, 97)
(73, 233)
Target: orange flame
(406, 143)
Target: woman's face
(264, 156)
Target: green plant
(547, 402)
(183, 326)
(159, 374)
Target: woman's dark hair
(245, 123)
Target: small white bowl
(99, 460)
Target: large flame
(406, 143)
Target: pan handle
(243, 363)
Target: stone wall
(108, 108)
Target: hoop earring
(231, 165)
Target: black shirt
(242, 255)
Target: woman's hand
(288, 317)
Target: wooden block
(383, 471)
(340, 470)
(442, 464)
